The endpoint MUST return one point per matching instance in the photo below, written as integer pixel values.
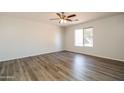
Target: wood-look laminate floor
(62, 66)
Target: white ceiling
(45, 16)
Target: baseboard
(29, 56)
(108, 58)
(60, 51)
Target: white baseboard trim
(60, 51)
(96, 56)
(5, 60)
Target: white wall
(108, 38)
(21, 38)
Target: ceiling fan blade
(59, 14)
(68, 19)
(55, 19)
(73, 15)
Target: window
(84, 37)
(79, 37)
(88, 37)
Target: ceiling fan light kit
(62, 21)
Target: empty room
(61, 46)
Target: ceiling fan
(62, 18)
